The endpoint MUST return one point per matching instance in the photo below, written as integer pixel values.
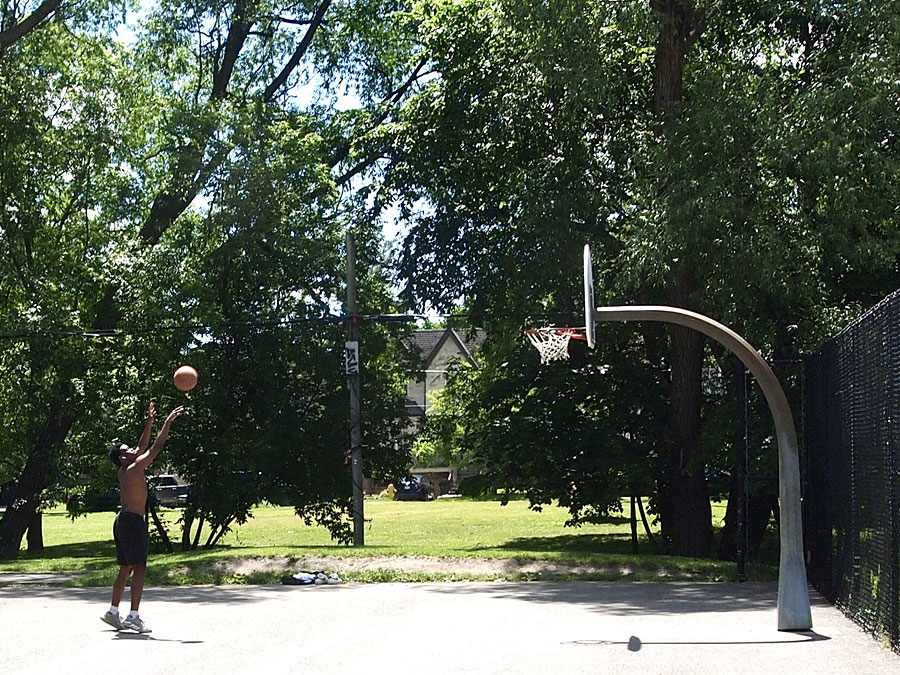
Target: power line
(141, 330)
(275, 323)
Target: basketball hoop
(553, 343)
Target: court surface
(418, 629)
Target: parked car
(94, 499)
(413, 489)
(170, 491)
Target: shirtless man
(130, 526)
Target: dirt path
(474, 567)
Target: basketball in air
(185, 378)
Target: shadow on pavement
(629, 597)
(620, 598)
(201, 595)
(635, 643)
(119, 635)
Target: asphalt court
(536, 627)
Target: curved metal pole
(793, 593)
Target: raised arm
(148, 427)
(145, 459)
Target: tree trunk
(167, 543)
(34, 479)
(686, 515)
(685, 511)
(653, 547)
(196, 541)
(37, 18)
(733, 544)
(187, 522)
(760, 510)
(668, 65)
(728, 539)
(35, 535)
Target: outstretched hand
(151, 411)
(176, 412)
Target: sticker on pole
(351, 358)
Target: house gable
(439, 348)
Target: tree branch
(23, 28)
(186, 183)
(341, 153)
(296, 22)
(359, 168)
(289, 67)
(350, 173)
(234, 43)
(699, 25)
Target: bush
(478, 487)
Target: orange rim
(577, 333)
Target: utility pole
(351, 366)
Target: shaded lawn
(446, 528)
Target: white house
(439, 348)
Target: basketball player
(130, 525)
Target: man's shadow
(123, 635)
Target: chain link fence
(852, 477)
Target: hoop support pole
(794, 613)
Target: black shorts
(132, 538)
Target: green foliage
(57, 171)
(775, 179)
(180, 192)
(477, 486)
(193, 190)
(502, 157)
(571, 434)
(438, 442)
(268, 422)
(764, 200)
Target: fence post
(740, 449)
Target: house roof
(428, 342)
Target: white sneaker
(136, 624)
(113, 620)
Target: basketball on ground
(185, 378)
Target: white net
(552, 344)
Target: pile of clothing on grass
(311, 578)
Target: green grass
(446, 528)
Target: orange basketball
(185, 378)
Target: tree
(676, 155)
(217, 166)
(56, 150)
(581, 434)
